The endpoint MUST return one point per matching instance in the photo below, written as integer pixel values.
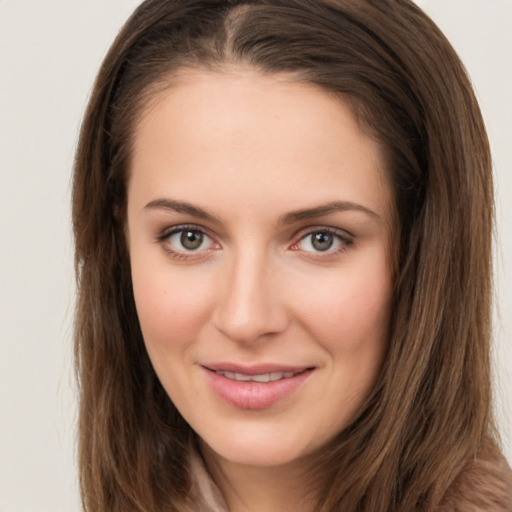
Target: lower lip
(254, 395)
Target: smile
(256, 387)
(263, 377)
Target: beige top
(484, 485)
(204, 494)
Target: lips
(255, 387)
(262, 377)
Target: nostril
(249, 306)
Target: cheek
(349, 312)
(171, 306)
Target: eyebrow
(289, 218)
(181, 207)
(319, 211)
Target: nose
(250, 303)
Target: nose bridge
(250, 305)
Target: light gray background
(50, 51)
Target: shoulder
(484, 485)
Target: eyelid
(165, 234)
(346, 237)
(168, 231)
(303, 232)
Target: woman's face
(258, 228)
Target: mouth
(262, 377)
(255, 387)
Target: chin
(260, 450)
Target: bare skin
(258, 227)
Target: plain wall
(50, 51)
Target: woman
(283, 217)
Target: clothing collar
(204, 493)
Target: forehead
(261, 138)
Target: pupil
(322, 241)
(191, 239)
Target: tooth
(264, 377)
(261, 378)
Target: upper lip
(257, 369)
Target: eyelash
(344, 239)
(163, 240)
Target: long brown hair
(429, 412)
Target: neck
(253, 488)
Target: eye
(189, 240)
(322, 241)
(185, 240)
